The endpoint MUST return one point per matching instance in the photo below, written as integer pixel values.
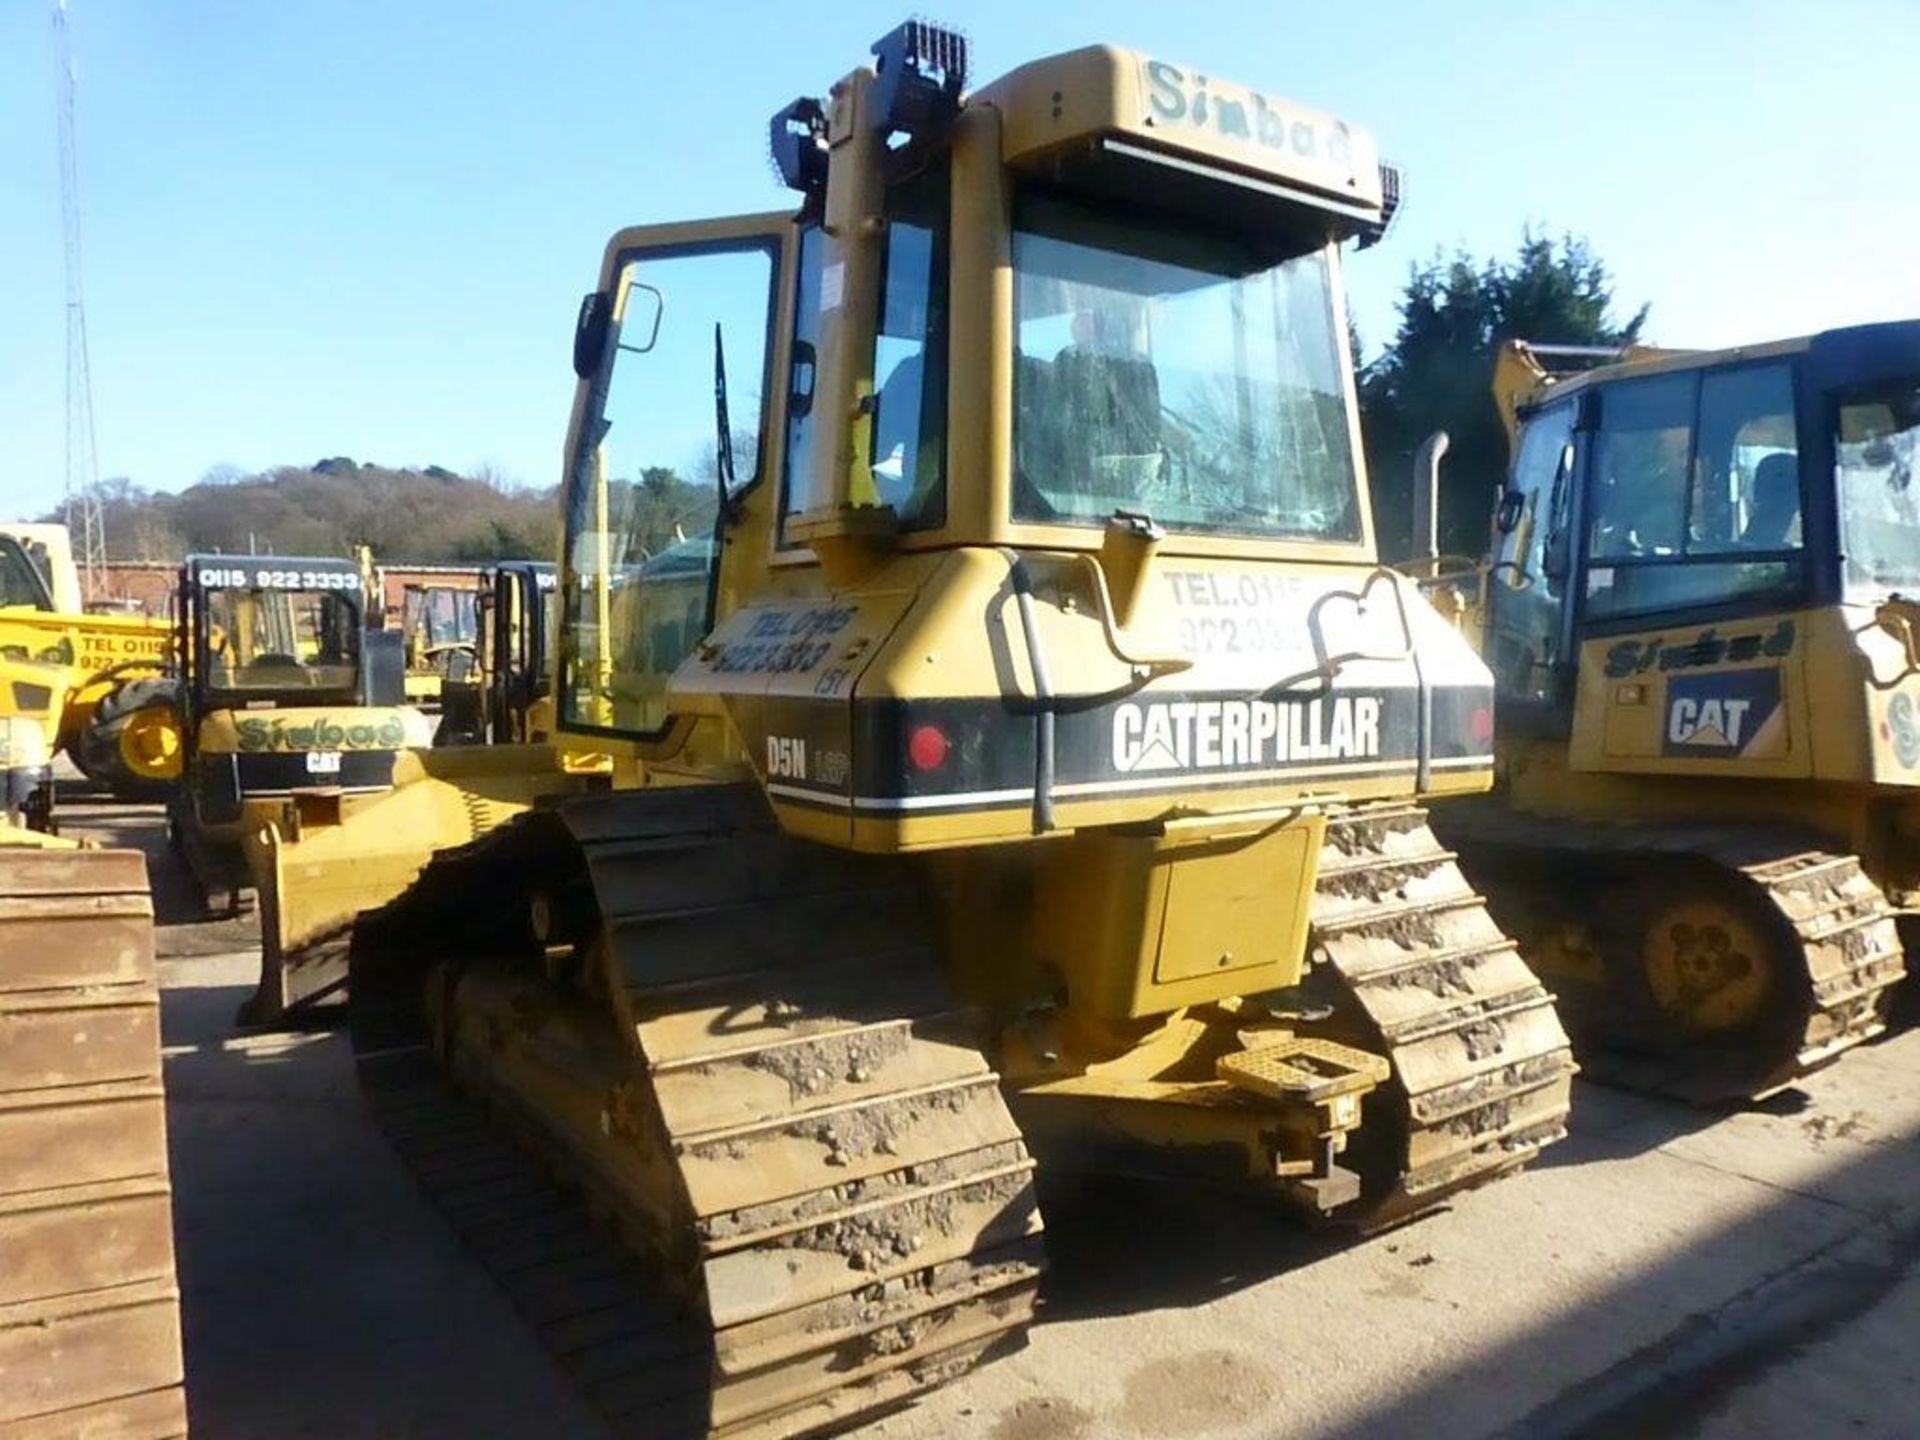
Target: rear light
(1481, 724)
(927, 747)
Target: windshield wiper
(723, 457)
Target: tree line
(1437, 374)
(426, 515)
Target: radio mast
(82, 501)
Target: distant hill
(426, 515)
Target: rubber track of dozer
(1482, 1070)
(1846, 930)
(829, 1207)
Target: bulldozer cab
(261, 633)
(1684, 514)
(1075, 338)
(283, 688)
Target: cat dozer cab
(1698, 619)
(316, 863)
(284, 698)
(1029, 763)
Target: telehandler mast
(1032, 755)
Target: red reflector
(1481, 724)
(927, 748)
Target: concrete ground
(1662, 1273)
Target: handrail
(1155, 666)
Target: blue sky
(361, 227)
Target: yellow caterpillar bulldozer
(1029, 764)
(283, 696)
(1706, 831)
(316, 862)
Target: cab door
(679, 414)
(1527, 639)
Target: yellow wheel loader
(1029, 762)
(1706, 831)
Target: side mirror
(595, 319)
(590, 332)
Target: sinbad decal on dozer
(1709, 647)
(259, 733)
(1176, 98)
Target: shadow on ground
(1108, 1250)
(1717, 1348)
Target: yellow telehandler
(1697, 612)
(1032, 754)
(83, 664)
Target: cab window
(262, 641)
(1695, 496)
(906, 417)
(798, 493)
(643, 485)
(1876, 444)
(908, 452)
(21, 583)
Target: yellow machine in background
(1033, 754)
(316, 862)
(1707, 827)
(49, 545)
(441, 626)
(503, 696)
(283, 696)
(82, 664)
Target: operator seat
(1776, 503)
